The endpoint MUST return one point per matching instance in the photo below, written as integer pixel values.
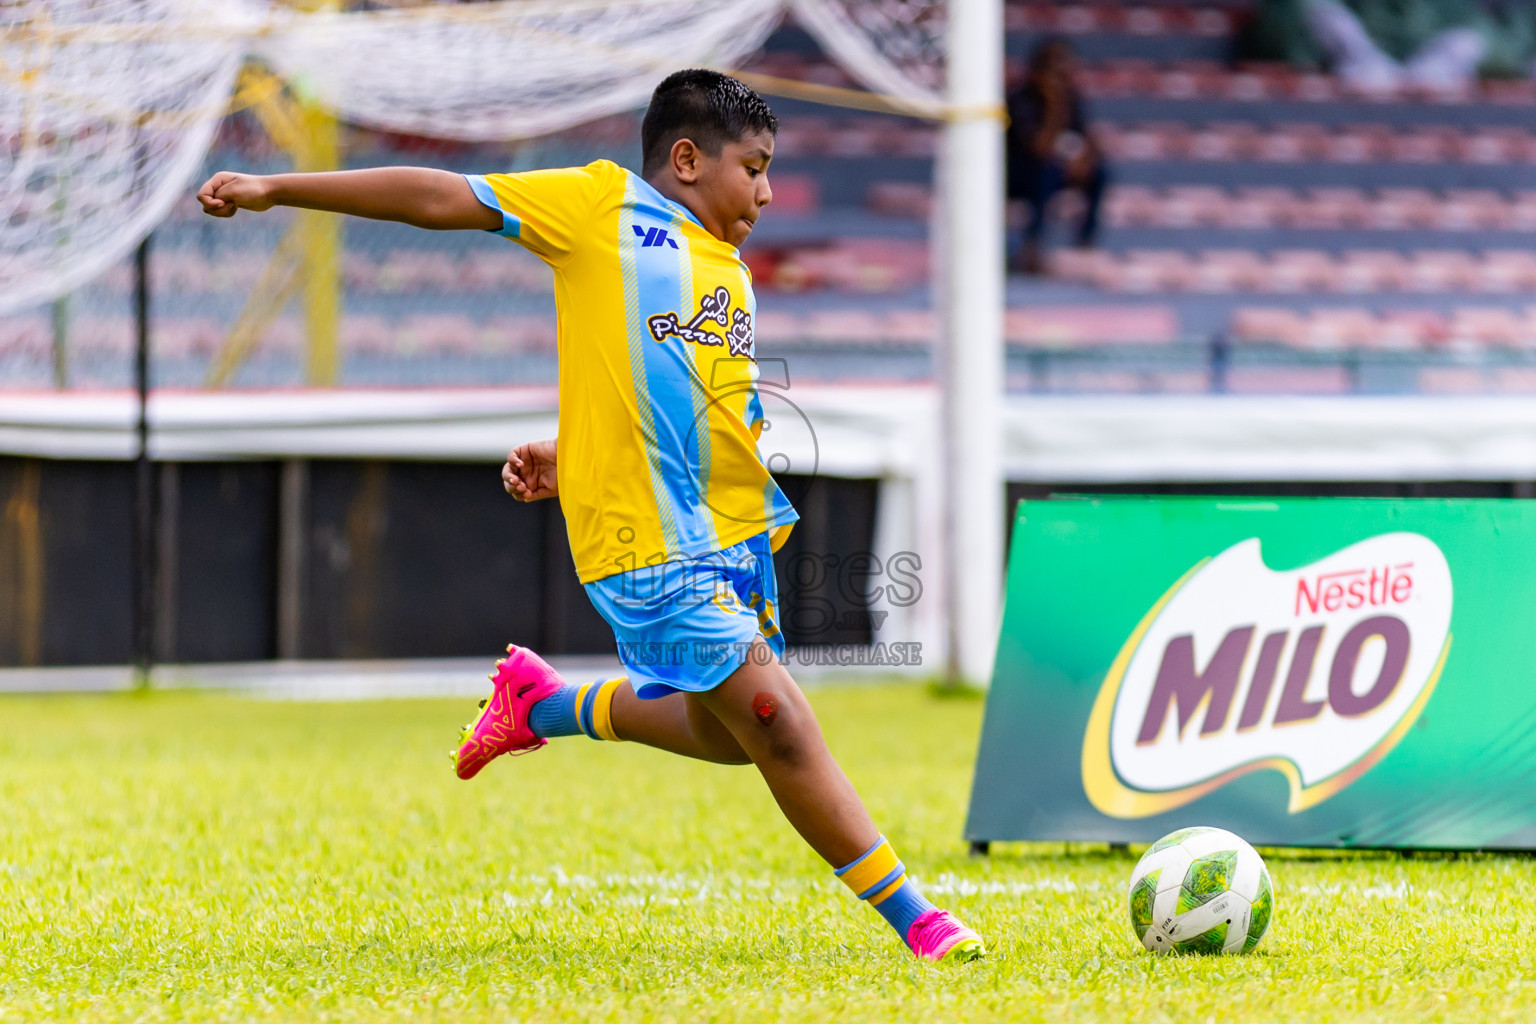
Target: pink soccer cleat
(521, 680)
(938, 936)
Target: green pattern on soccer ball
(1207, 878)
(1212, 940)
(1141, 902)
(1173, 839)
(1263, 905)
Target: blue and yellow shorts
(687, 625)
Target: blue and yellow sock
(880, 879)
(585, 710)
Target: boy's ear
(686, 159)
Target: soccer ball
(1200, 890)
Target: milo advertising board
(1315, 672)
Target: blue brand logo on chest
(653, 236)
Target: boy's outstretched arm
(420, 196)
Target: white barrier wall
(889, 433)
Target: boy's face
(733, 187)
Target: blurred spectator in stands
(1049, 148)
(1389, 44)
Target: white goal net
(107, 107)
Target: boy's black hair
(707, 107)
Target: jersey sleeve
(546, 212)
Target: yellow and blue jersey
(659, 412)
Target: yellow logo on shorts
(725, 599)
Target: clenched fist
(229, 192)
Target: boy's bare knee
(786, 740)
(786, 748)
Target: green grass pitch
(209, 858)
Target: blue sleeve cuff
(511, 227)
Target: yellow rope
(859, 99)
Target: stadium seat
(1507, 271)
(851, 326)
(1357, 144)
(1328, 209)
(1301, 270)
(775, 326)
(1401, 208)
(1187, 206)
(188, 337)
(1297, 141)
(913, 199)
(1440, 270)
(1516, 380)
(1521, 213)
(1289, 380)
(1470, 209)
(1077, 325)
(1500, 328)
(854, 139)
(1451, 380)
(1154, 270)
(101, 335)
(796, 194)
(1257, 208)
(527, 334)
(1408, 329)
(1085, 266)
(1370, 270)
(367, 335)
(1220, 271)
(1130, 206)
(25, 337)
(1428, 145)
(1268, 325)
(1335, 329)
(1224, 141)
(1493, 146)
(910, 327)
(1292, 143)
(447, 334)
(518, 270)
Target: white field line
(949, 884)
(647, 889)
(1382, 891)
(672, 889)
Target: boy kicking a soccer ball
(673, 518)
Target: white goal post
(970, 284)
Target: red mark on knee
(766, 707)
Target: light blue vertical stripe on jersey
(699, 447)
(639, 337)
(772, 496)
(753, 413)
(671, 382)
